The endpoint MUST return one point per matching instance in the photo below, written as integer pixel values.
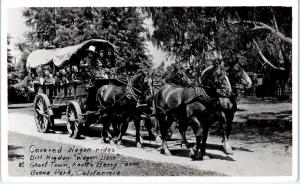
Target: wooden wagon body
(75, 99)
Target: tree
(257, 37)
(62, 26)
(12, 71)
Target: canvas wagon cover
(61, 55)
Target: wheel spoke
(71, 116)
(39, 119)
(41, 113)
(40, 104)
(41, 107)
(73, 123)
(45, 121)
(71, 119)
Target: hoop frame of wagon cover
(63, 56)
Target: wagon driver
(90, 64)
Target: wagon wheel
(75, 121)
(43, 114)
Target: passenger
(40, 77)
(35, 81)
(91, 66)
(103, 60)
(64, 81)
(87, 63)
(68, 73)
(30, 86)
(57, 78)
(49, 82)
(75, 73)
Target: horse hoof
(112, 142)
(205, 157)
(119, 143)
(139, 145)
(168, 153)
(184, 146)
(105, 140)
(229, 152)
(165, 152)
(158, 139)
(227, 149)
(193, 154)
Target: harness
(200, 92)
(201, 96)
(129, 92)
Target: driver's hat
(92, 48)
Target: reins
(200, 93)
(130, 92)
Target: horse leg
(155, 123)
(106, 135)
(203, 145)
(182, 129)
(164, 127)
(138, 138)
(229, 118)
(226, 122)
(149, 126)
(123, 129)
(116, 129)
(172, 128)
(196, 126)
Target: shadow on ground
(13, 153)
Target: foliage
(63, 26)
(12, 70)
(186, 33)
(15, 74)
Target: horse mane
(172, 76)
(136, 79)
(206, 71)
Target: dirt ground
(17, 153)
(259, 150)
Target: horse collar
(201, 93)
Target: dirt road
(255, 155)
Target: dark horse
(196, 104)
(237, 75)
(122, 104)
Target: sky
(16, 28)
(16, 24)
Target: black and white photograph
(109, 91)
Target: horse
(122, 104)
(236, 75)
(174, 76)
(197, 104)
(177, 76)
